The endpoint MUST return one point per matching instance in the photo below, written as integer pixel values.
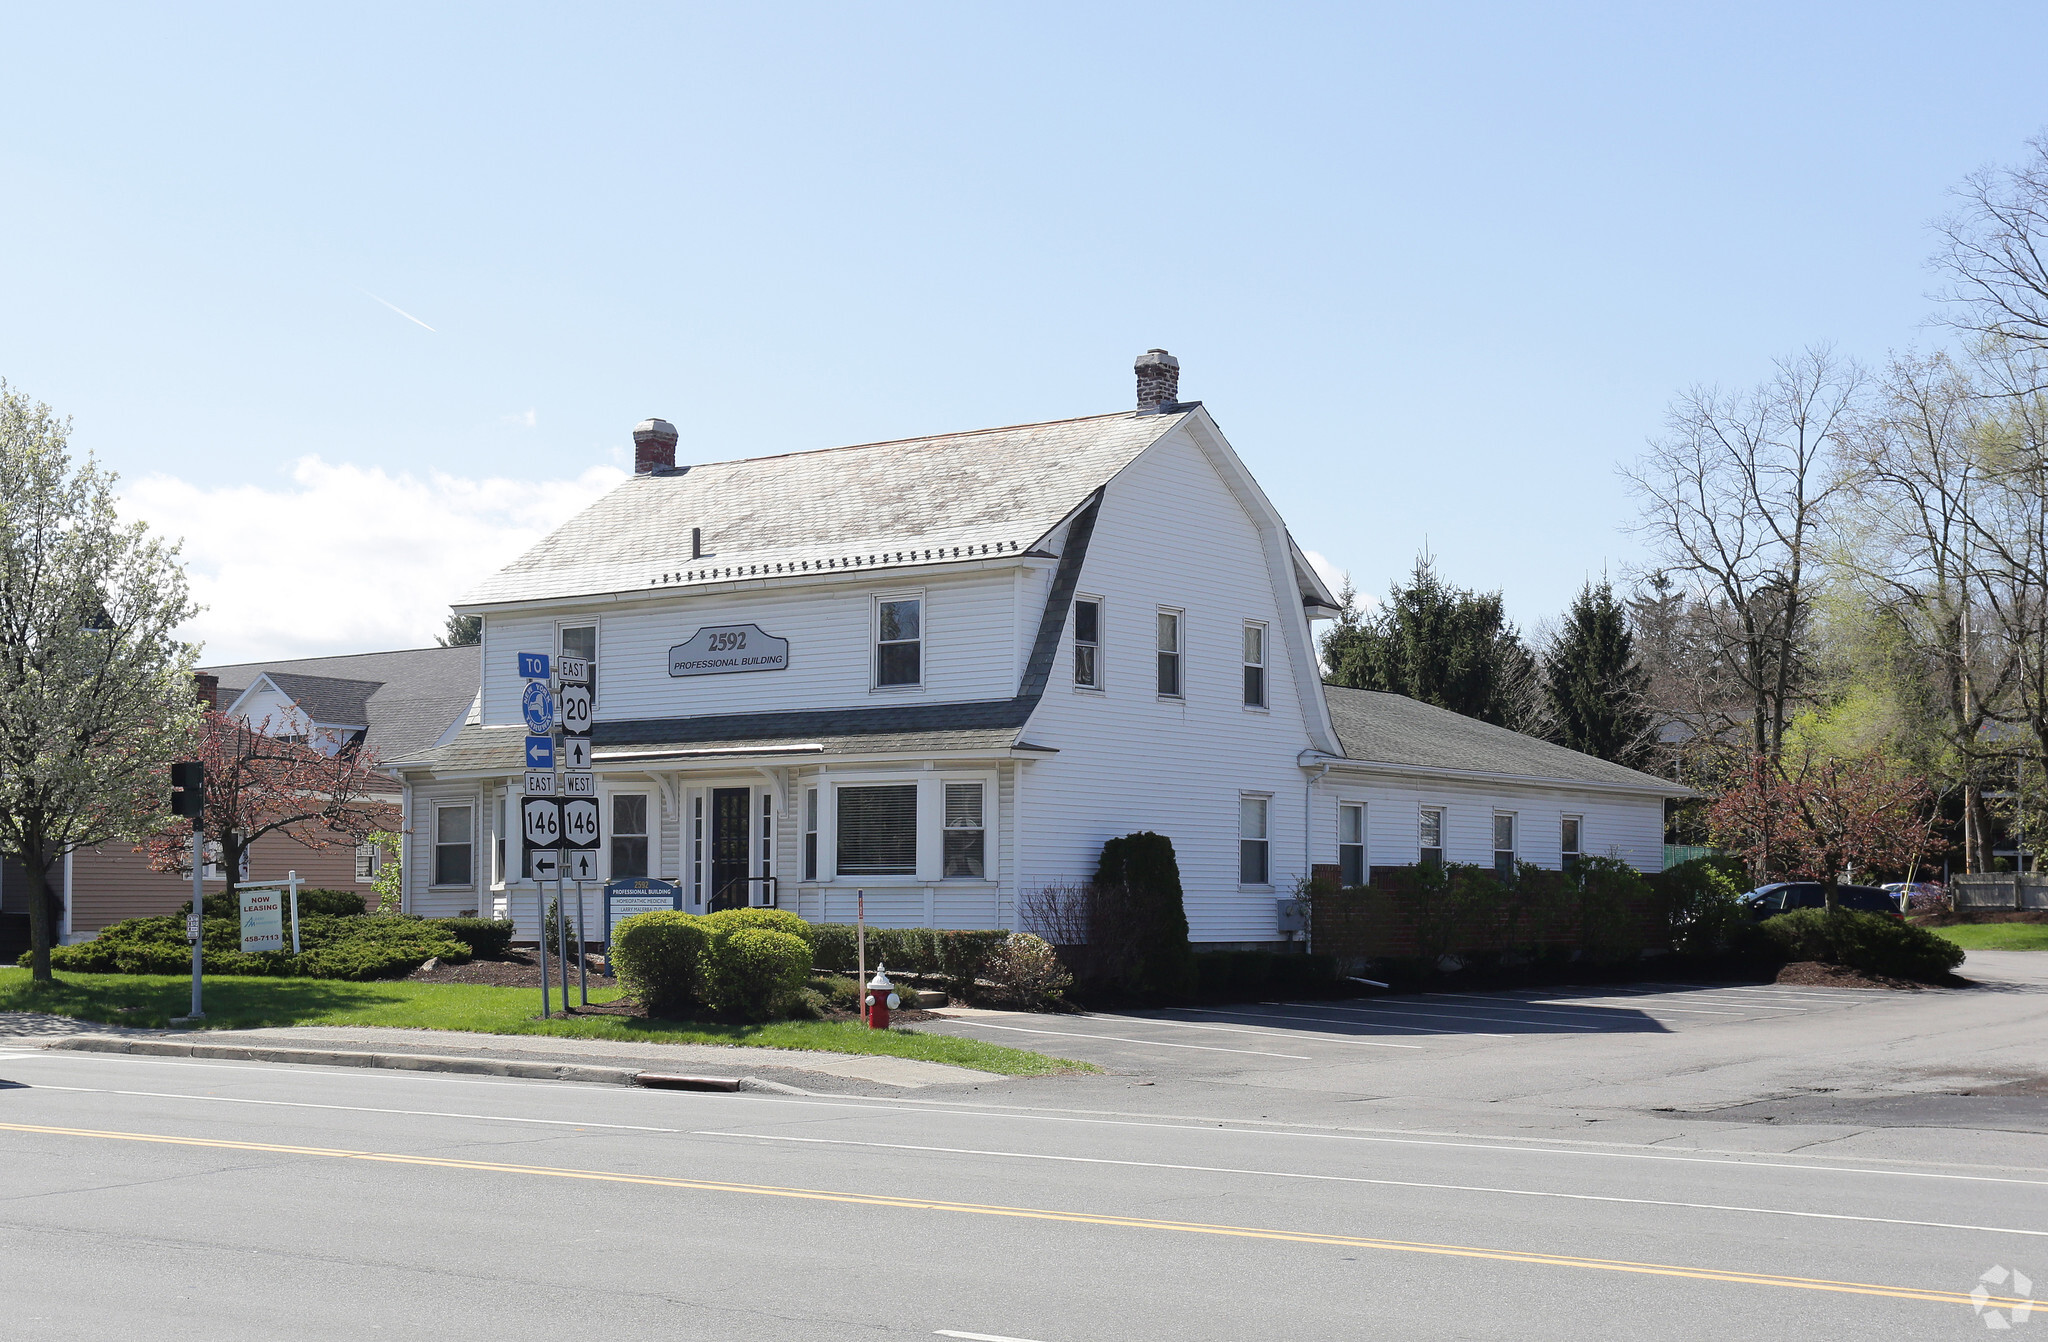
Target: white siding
(1627, 826)
(1172, 534)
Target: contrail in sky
(399, 310)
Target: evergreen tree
(1441, 644)
(463, 631)
(1594, 684)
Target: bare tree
(1735, 498)
(1913, 555)
(1993, 254)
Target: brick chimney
(1158, 379)
(206, 689)
(654, 446)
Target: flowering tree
(258, 784)
(95, 688)
(1815, 818)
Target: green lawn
(1996, 936)
(246, 1003)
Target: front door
(730, 815)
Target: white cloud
(346, 559)
(524, 420)
(1333, 577)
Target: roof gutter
(1309, 759)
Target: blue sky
(1435, 270)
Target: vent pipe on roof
(654, 446)
(696, 542)
(1158, 380)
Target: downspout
(1308, 806)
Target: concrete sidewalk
(542, 1057)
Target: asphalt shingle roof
(1394, 729)
(952, 498)
(407, 699)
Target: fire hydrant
(881, 999)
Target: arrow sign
(546, 865)
(540, 820)
(582, 866)
(540, 752)
(538, 706)
(575, 752)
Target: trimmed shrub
(1870, 942)
(1302, 975)
(1025, 970)
(1608, 928)
(327, 903)
(754, 973)
(832, 948)
(1702, 906)
(1142, 866)
(658, 959)
(772, 920)
(352, 947)
(960, 957)
(487, 938)
(1238, 975)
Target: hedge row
(1869, 942)
(958, 957)
(747, 963)
(1237, 974)
(360, 947)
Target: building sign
(623, 899)
(721, 649)
(262, 921)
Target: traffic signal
(188, 790)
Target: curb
(405, 1062)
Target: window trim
(1179, 654)
(1442, 849)
(1265, 841)
(1363, 847)
(810, 848)
(1094, 686)
(1507, 873)
(875, 685)
(917, 839)
(1263, 666)
(647, 835)
(434, 847)
(1565, 856)
(371, 851)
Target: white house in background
(940, 672)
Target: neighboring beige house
(392, 703)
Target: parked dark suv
(1769, 900)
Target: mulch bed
(1814, 974)
(518, 970)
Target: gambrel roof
(957, 497)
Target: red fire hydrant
(881, 999)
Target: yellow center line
(1044, 1214)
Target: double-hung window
(1571, 841)
(366, 862)
(965, 832)
(1504, 845)
(1088, 643)
(899, 641)
(810, 834)
(1430, 836)
(877, 826)
(454, 849)
(1254, 665)
(1351, 843)
(1253, 856)
(1169, 654)
(629, 835)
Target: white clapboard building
(938, 673)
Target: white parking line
(1378, 1013)
(1332, 1020)
(1475, 997)
(1629, 995)
(977, 1337)
(1150, 1043)
(1358, 1179)
(1775, 990)
(1192, 1025)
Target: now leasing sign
(262, 920)
(722, 649)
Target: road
(172, 1198)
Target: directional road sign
(572, 670)
(579, 823)
(538, 706)
(540, 785)
(575, 700)
(545, 864)
(533, 665)
(540, 821)
(577, 783)
(582, 866)
(540, 752)
(575, 752)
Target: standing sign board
(262, 921)
(579, 823)
(623, 899)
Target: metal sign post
(582, 950)
(540, 817)
(188, 798)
